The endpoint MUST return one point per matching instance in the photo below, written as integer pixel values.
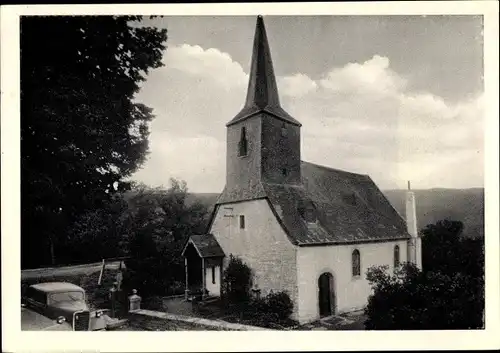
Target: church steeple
(263, 141)
(262, 93)
(262, 88)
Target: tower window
(349, 198)
(213, 274)
(284, 172)
(307, 212)
(242, 222)
(356, 263)
(243, 144)
(283, 130)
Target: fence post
(102, 271)
(112, 297)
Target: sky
(395, 97)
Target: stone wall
(262, 245)
(350, 293)
(280, 151)
(243, 171)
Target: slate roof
(262, 93)
(349, 207)
(206, 244)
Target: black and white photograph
(251, 171)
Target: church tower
(263, 140)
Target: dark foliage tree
(413, 300)
(159, 224)
(98, 233)
(81, 131)
(445, 250)
(447, 294)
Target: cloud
(361, 117)
(192, 159)
(211, 63)
(372, 76)
(297, 85)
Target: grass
(166, 325)
(245, 316)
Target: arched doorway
(326, 295)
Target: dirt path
(66, 270)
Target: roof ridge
(334, 169)
(299, 186)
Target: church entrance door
(326, 295)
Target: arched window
(242, 146)
(396, 257)
(356, 263)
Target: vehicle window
(36, 295)
(66, 297)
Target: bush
(275, 307)
(413, 300)
(280, 304)
(237, 282)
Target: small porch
(203, 261)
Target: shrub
(259, 305)
(275, 307)
(279, 304)
(237, 282)
(410, 299)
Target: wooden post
(112, 297)
(221, 275)
(203, 278)
(186, 292)
(102, 271)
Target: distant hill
(466, 205)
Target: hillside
(466, 205)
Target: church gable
(251, 231)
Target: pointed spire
(262, 94)
(262, 88)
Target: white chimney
(414, 243)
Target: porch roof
(206, 245)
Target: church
(303, 228)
